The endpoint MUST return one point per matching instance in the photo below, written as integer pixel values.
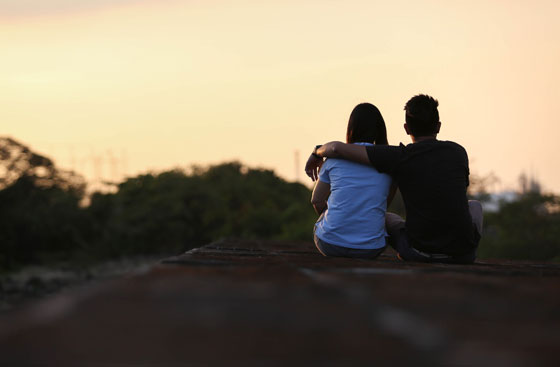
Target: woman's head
(366, 125)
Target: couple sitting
(352, 193)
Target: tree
(174, 211)
(527, 227)
(40, 217)
(17, 160)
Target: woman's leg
(327, 249)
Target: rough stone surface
(254, 303)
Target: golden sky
(150, 85)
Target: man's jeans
(399, 241)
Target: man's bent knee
(475, 208)
(393, 222)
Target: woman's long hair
(366, 125)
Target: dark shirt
(433, 176)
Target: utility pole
(296, 163)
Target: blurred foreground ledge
(255, 303)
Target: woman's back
(355, 215)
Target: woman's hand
(313, 166)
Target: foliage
(524, 225)
(17, 161)
(37, 223)
(480, 186)
(174, 211)
(41, 218)
(527, 228)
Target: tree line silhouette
(42, 219)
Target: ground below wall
(256, 303)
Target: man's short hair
(422, 116)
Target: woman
(351, 198)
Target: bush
(527, 228)
(161, 213)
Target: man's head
(422, 116)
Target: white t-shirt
(355, 217)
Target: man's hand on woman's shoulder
(313, 166)
(334, 149)
(315, 160)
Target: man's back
(433, 177)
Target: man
(432, 175)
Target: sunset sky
(151, 85)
